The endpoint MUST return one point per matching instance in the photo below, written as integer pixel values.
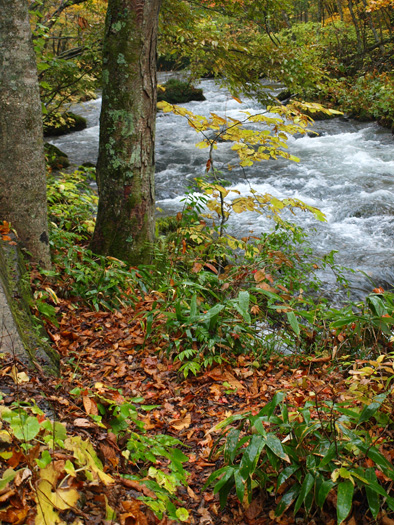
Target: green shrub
(305, 453)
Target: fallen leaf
(89, 405)
(180, 424)
(83, 423)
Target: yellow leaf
(203, 144)
(238, 207)
(165, 106)
(50, 498)
(277, 204)
(86, 456)
(18, 377)
(218, 120)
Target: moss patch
(179, 92)
(19, 331)
(56, 158)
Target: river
(347, 172)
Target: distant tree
(22, 165)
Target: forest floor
(105, 355)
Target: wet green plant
(305, 453)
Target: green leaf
(370, 410)
(229, 473)
(285, 474)
(215, 475)
(27, 429)
(251, 455)
(243, 305)
(324, 490)
(182, 514)
(372, 496)
(231, 445)
(45, 459)
(293, 322)
(274, 444)
(305, 489)
(212, 312)
(178, 455)
(344, 500)
(287, 500)
(193, 307)
(8, 476)
(269, 408)
(239, 485)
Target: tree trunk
(356, 27)
(340, 9)
(22, 165)
(125, 168)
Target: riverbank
(368, 98)
(159, 362)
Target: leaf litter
(107, 357)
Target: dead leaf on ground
(180, 424)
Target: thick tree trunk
(22, 166)
(125, 169)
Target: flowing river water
(347, 172)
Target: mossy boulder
(62, 123)
(179, 92)
(284, 95)
(55, 158)
(19, 331)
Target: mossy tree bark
(22, 165)
(125, 168)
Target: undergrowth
(216, 297)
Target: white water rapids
(348, 173)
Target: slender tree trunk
(22, 165)
(340, 9)
(356, 27)
(125, 168)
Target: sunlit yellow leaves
(203, 144)
(165, 106)
(244, 204)
(374, 5)
(251, 145)
(277, 204)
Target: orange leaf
(196, 267)
(259, 276)
(180, 424)
(90, 405)
(211, 267)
